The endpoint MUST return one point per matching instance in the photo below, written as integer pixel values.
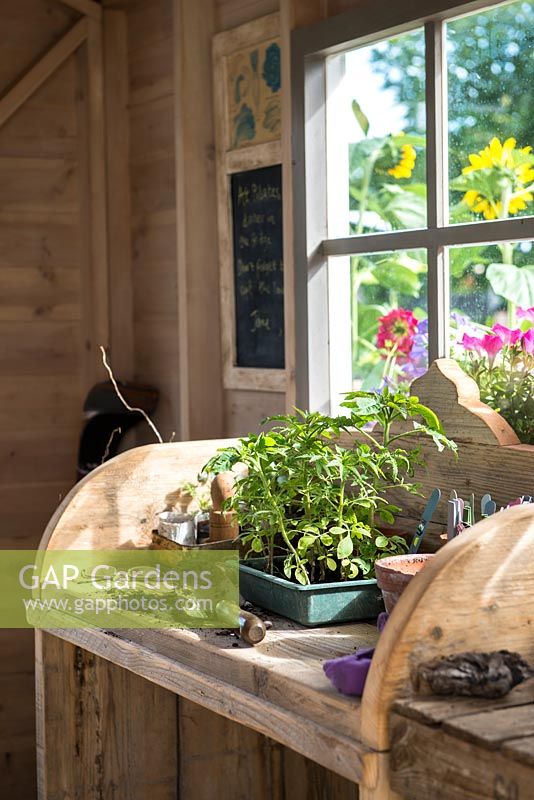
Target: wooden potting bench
(181, 714)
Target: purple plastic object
(349, 673)
(381, 621)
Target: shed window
(414, 183)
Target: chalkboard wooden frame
(229, 162)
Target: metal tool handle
(251, 628)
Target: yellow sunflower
(406, 164)
(507, 159)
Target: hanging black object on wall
(104, 413)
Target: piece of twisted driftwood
(472, 674)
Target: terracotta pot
(393, 575)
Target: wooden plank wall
(173, 224)
(153, 205)
(174, 251)
(42, 334)
(175, 310)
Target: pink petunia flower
(506, 335)
(472, 343)
(491, 345)
(525, 313)
(527, 342)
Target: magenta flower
(491, 345)
(525, 313)
(527, 342)
(506, 335)
(472, 343)
(397, 329)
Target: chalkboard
(258, 267)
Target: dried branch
(123, 401)
(108, 446)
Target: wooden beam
(287, 21)
(87, 7)
(98, 189)
(119, 192)
(181, 201)
(39, 73)
(202, 413)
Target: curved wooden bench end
(476, 594)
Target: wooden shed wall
(173, 212)
(45, 321)
(173, 219)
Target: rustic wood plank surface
(194, 752)
(278, 689)
(435, 710)
(89, 7)
(118, 192)
(520, 749)
(284, 669)
(311, 726)
(197, 243)
(220, 758)
(489, 729)
(88, 741)
(426, 762)
(484, 747)
(152, 101)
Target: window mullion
(437, 188)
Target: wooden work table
(188, 715)
(277, 688)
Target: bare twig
(173, 436)
(108, 446)
(123, 401)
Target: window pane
(492, 330)
(490, 285)
(385, 297)
(491, 125)
(376, 137)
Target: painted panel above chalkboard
(258, 268)
(256, 314)
(253, 92)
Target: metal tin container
(178, 527)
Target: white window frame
(310, 48)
